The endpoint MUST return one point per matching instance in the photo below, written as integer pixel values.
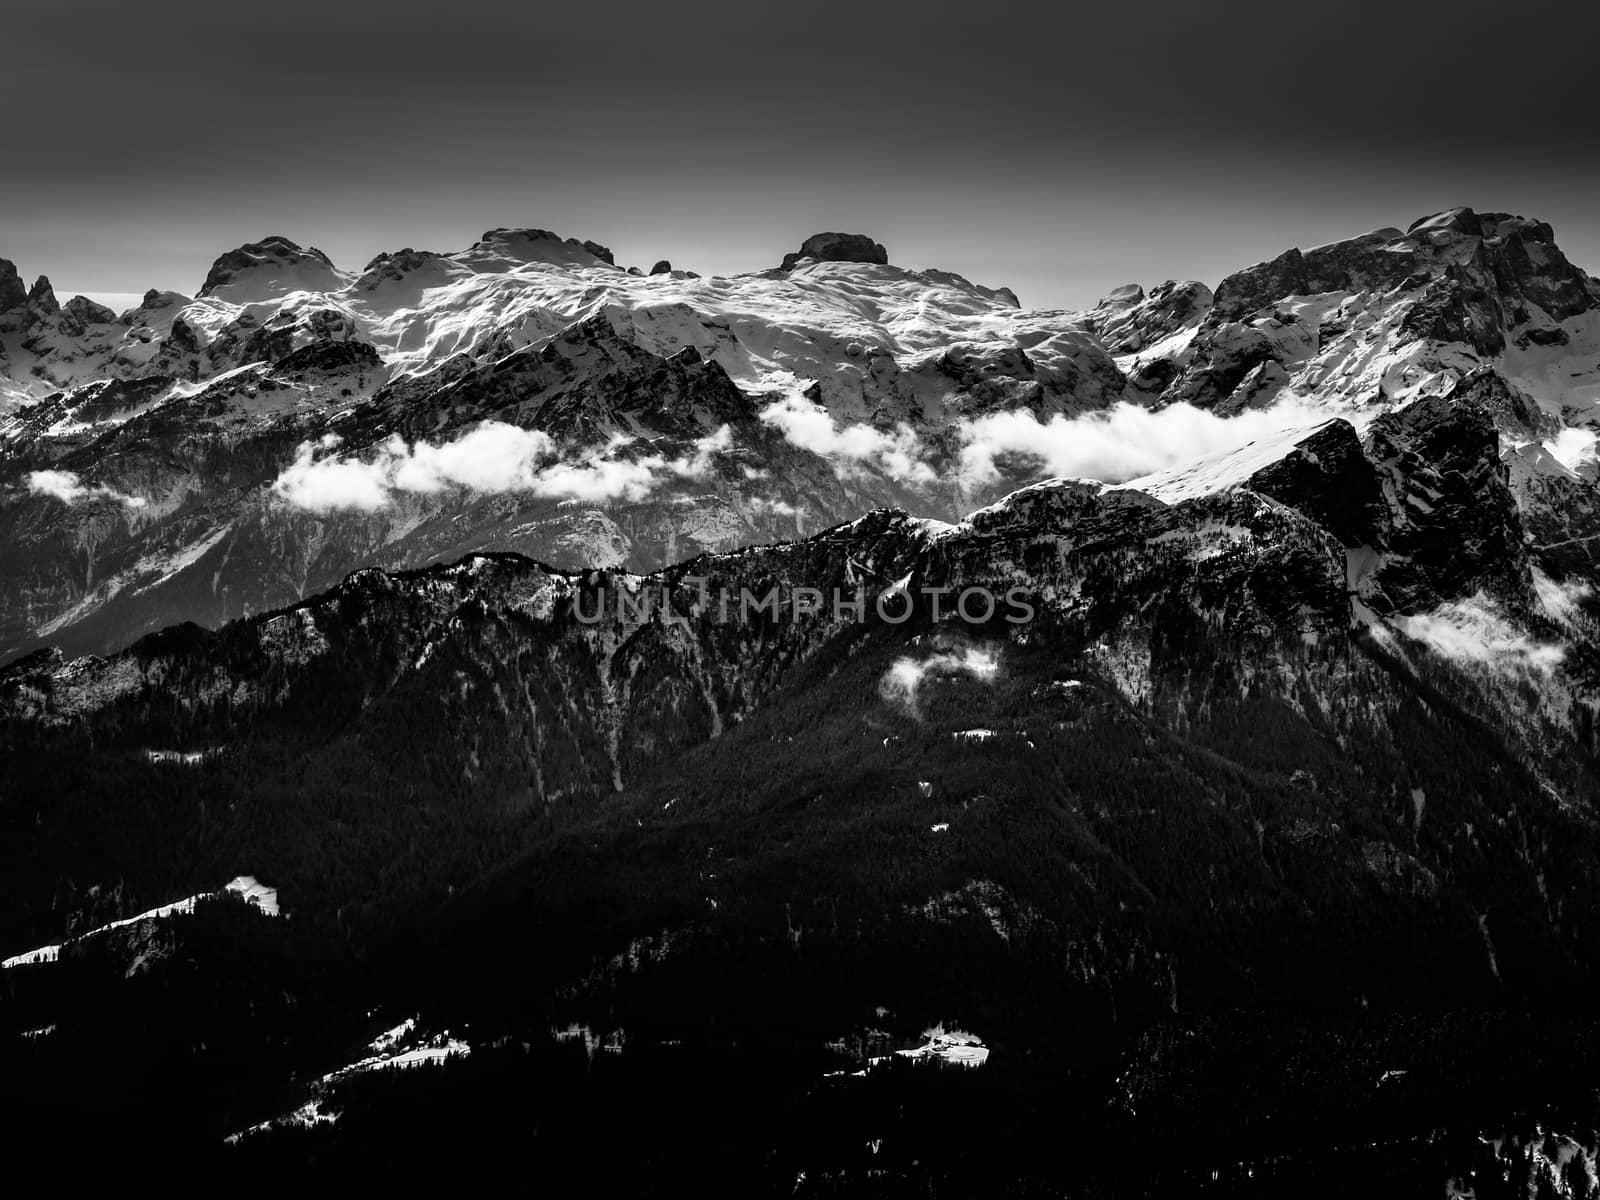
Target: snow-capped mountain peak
(294, 421)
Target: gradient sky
(1056, 148)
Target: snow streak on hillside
(247, 887)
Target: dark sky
(1057, 148)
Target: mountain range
(1269, 838)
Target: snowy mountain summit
(205, 457)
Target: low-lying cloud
(897, 453)
(761, 506)
(1473, 630)
(902, 682)
(66, 487)
(492, 458)
(1562, 601)
(1121, 443)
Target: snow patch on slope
(248, 887)
(393, 1049)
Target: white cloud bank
(66, 487)
(1121, 443)
(1562, 601)
(1473, 630)
(898, 454)
(492, 458)
(902, 681)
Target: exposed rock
(1453, 526)
(582, 386)
(183, 337)
(1127, 320)
(247, 340)
(1328, 477)
(1490, 257)
(12, 293)
(603, 253)
(180, 351)
(662, 267)
(1228, 356)
(329, 355)
(838, 247)
(1247, 290)
(154, 301)
(1456, 308)
(42, 297)
(80, 312)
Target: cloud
(1574, 449)
(66, 487)
(706, 450)
(492, 458)
(763, 506)
(599, 481)
(1121, 443)
(902, 681)
(1561, 601)
(898, 454)
(1473, 630)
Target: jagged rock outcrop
(12, 293)
(837, 247)
(1487, 255)
(80, 312)
(1424, 506)
(330, 355)
(1453, 292)
(1328, 476)
(248, 339)
(583, 386)
(42, 297)
(1453, 523)
(1128, 320)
